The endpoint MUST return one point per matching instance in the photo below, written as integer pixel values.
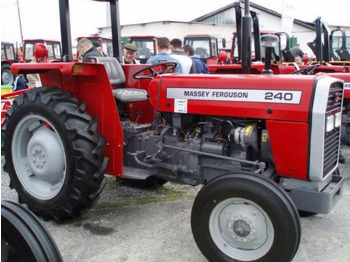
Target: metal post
(246, 39)
(115, 25)
(66, 37)
(20, 22)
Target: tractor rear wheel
(53, 154)
(244, 217)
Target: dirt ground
(131, 224)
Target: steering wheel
(169, 66)
(308, 70)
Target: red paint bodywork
(89, 83)
(287, 124)
(346, 78)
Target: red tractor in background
(206, 47)
(146, 47)
(53, 48)
(8, 56)
(263, 146)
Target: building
(221, 23)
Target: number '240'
(279, 96)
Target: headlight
(329, 123)
(337, 119)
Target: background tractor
(8, 56)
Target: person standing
(201, 67)
(130, 53)
(20, 83)
(40, 55)
(177, 52)
(163, 45)
(296, 50)
(86, 49)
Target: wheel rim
(241, 229)
(38, 157)
(7, 77)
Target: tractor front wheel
(53, 153)
(244, 217)
(7, 78)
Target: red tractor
(146, 47)
(8, 56)
(53, 48)
(263, 146)
(205, 47)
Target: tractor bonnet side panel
(290, 148)
(262, 97)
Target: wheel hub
(39, 157)
(45, 155)
(241, 228)
(6, 77)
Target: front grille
(335, 97)
(331, 150)
(331, 144)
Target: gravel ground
(130, 224)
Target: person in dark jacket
(20, 83)
(296, 51)
(86, 49)
(201, 67)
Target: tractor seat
(117, 77)
(125, 95)
(114, 70)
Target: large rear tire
(244, 217)
(53, 154)
(23, 237)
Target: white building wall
(176, 30)
(181, 29)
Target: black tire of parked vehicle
(24, 237)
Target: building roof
(255, 7)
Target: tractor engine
(192, 149)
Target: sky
(40, 18)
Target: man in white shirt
(185, 61)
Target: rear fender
(89, 83)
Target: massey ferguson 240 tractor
(265, 147)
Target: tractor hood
(253, 96)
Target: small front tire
(244, 217)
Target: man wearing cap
(130, 52)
